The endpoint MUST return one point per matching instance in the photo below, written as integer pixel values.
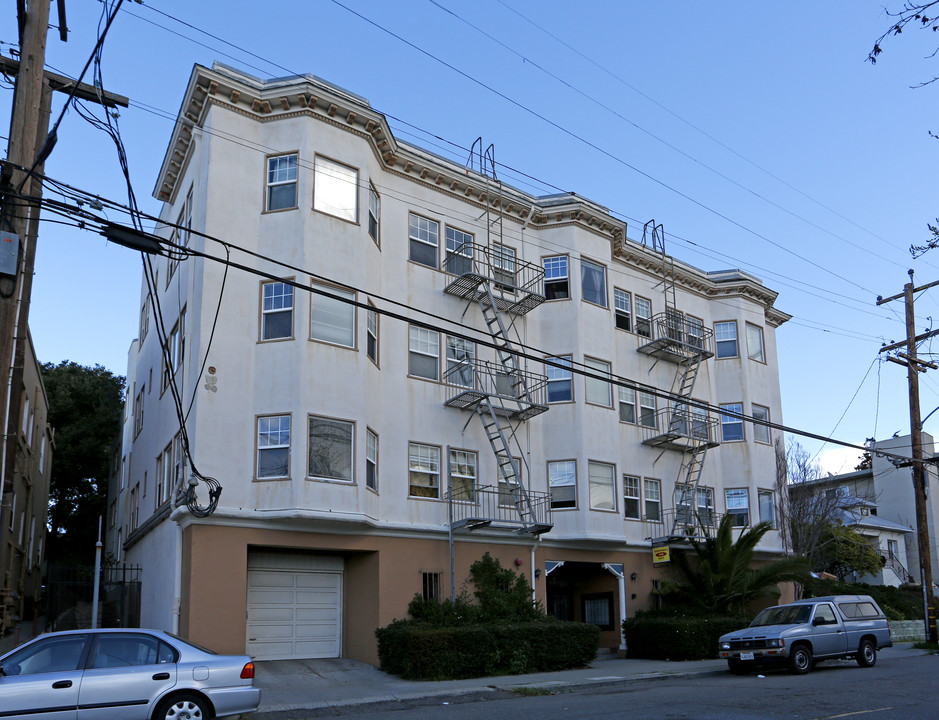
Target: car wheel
(183, 707)
(867, 654)
(800, 659)
(737, 667)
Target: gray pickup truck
(804, 632)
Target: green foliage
(85, 408)
(654, 636)
(718, 578)
(421, 652)
(898, 603)
(843, 549)
(502, 633)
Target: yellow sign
(661, 555)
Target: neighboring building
(354, 472)
(889, 489)
(25, 499)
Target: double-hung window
(423, 470)
(331, 449)
(463, 475)
(335, 189)
(755, 350)
(374, 214)
(424, 239)
(423, 353)
(598, 391)
(622, 303)
(562, 483)
(767, 500)
(282, 182)
(694, 332)
(631, 497)
(593, 282)
(761, 433)
(556, 278)
(273, 448)
(459, 260)
(276, 311)
(646, 409)
(461, 362)
(601, 485)
(725, 339)
(643, 317)
(371, 460)
(560, 379)
(738, 506)
(503, 267)
(627, 405)
(371, 335)
(652, 489)
(732, 425)
(332, 319)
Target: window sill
(332, 344)
(329, 481)
(280, 478)
(279, 210)
(324, 213)
(263, 341)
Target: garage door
(294, 606)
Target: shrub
(668, 637)
(898, 603)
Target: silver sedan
(112, 674)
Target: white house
(414, 364)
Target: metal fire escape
(683, 426)
(502, 394)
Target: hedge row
(673, 638)
(421, 652)
(898, 603)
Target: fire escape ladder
(510, 374)
(687, 515)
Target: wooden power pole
(914, 367)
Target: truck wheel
(867, 653)
(738, 667)
(800, 659)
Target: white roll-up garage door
(294, 606)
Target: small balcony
(517, 286)
(499, 508)
(677, 339)
(516, 394)
(682, 429)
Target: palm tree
(718, 578)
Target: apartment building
(25, 498)
(415, 363)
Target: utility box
(9, 253)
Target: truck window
(825, 615)
(783, 615)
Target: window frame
(463, 477)
(259, 449)
(585, 265)
(595, 490)
(340, 212)
(724, 355)
(430, 472)
(761, 355)
(269, 185)
(502, 256)
(415, 238)
(622, 311)
(371, 463)
(310, 475)
(468, 364)
(412, 351)
(643, 323)
(762, 434)
(648, 483)
(557, 280)
(568, 504)
(760, 496)
(270, 312)
(630, 501)
(334, 303)
(644, 407)
(373, 336)
(594, 387)
(569, 379)
(741, 511)
(457, 237)
(623, 402)
(374, 214)
(729, 420)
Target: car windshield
(783, 615)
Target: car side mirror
(818, 621)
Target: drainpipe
(177, 576)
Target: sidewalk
(290, 685)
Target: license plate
(746, 656)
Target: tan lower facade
(282, 593)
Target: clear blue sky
(756, 132)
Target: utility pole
(914, 368)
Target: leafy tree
(719, 577)
(85, 408)
(844, 550)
